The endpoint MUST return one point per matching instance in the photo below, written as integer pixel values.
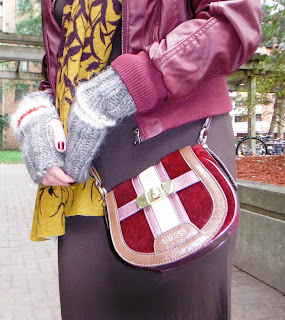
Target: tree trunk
(280, 130)
(274, 117)
(277, 117)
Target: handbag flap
(170, 210)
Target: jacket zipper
(137, 137)
(136, 130)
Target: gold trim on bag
(155, 194)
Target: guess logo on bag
(176, 235)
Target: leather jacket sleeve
(44, 84)
(221, 36)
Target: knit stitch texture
(100, 103)
(30, 124)
(106, 95)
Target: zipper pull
(137, 137)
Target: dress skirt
(95, 284)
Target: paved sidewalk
(28, 270)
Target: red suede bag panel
(175, 165)
(124, 193)
(198, 204)
(137, 233)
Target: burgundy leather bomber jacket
(176, 55)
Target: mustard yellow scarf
(88, 29)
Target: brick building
(12, 90)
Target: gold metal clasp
(155, 194)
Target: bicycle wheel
(251, 147)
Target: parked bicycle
(251, 146)
(274, 146)
(259, 146)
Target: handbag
(175, 211)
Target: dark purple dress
(95, 284)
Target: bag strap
(201, 140)
(98, 182)
(204, 131)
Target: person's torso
(144, 22)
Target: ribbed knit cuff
(83, 143)
(141, 78)
(104, 100)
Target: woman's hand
(36, 125)
(55, 176)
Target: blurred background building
(17, 75)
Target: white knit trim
(93, 117)
(31, 101)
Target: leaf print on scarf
(87, 33)
(117, 6)
(102, 18)
(93, 66)
(85, 56)
(70, 39)
(88, 29)
(69, 85)
(51, 192)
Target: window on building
(24, 66)
(240, 119)
(1, 8)
(258, 117)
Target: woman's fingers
(57, 177)
(58, 135)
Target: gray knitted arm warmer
(100, 103)
(30, 124)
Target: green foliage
(273, 23)
(11, 156)
(273, 80)
(273, 26)
(4, 121)
(30, 14)
(4, 124)
(22, 88)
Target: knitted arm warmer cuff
(30, 124)
(83, 143)
(104, 100)
(100, 103)
(34, 106)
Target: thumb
(58, 135)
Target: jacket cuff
(141, 78)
